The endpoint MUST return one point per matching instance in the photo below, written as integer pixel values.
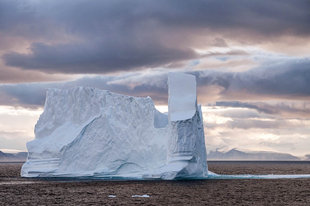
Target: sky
(251, 60)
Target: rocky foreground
(15, 190)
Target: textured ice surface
(87, 132)
(182, 96)
(186, 151)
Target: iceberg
(93, 133)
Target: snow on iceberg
(87, 132)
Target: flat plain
(15, 190)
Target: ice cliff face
(87, 132)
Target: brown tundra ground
(15, 190)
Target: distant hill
(235, 154)
(13, 157)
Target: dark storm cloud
(25, 95)
(244, 105)
(281, 81)
(109, 36)
(88, 58)
(285, 109)
(287, 78)
(25, 19)
(32, 95)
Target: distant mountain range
(235, 154)
(13, 157)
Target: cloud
(26, 95)
(109, 36)
(246, 128)
(14, 142)
(33, 94)
(14, 75)
(85, 18)
(259, 123)
(284, 80)
(276, 82)
(139, 42)
(285, 109)
(244, 105)
(103, 57)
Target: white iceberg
(87, 132)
